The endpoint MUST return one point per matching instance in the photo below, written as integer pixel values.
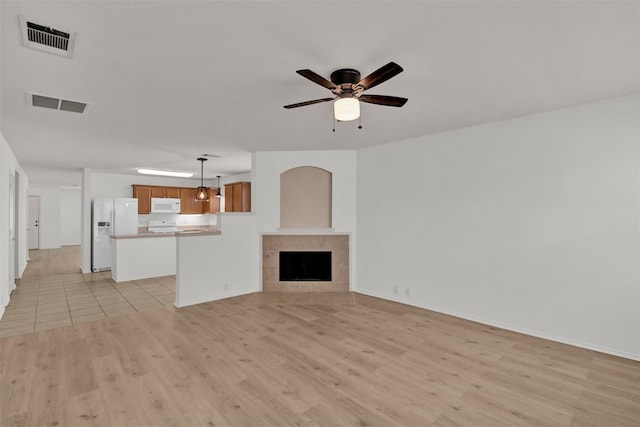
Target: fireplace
(302, 266)
(305, 263)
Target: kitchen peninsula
(209, 262)
(148, 254)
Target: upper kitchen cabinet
(214, 202)
(143, 194)
(173, 192)
(163, 192)
(187, 196)
(188, 202)
(170, 192)
(158, 191)
(237, 197)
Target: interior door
(33, 212)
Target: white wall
(70, 215)
(60, 214)
(231, 262)
(266, 185)
(49, 224)
(117, 185)
(232, 178)
(9, 166)
(529, 224)
(267, 167)
(85, 213)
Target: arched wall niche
(305, 198)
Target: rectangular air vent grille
(57, 103)
(40, 36)
(47, 36)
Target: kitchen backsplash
(204, 219)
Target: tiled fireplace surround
(338, 244)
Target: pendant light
(218, 194)
(202, 194)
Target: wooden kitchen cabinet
(158, 191)
(143, 194)
(237, 197)
(189, 204)
(170, 192)
(214, 202)
(173, 192)
(187, 196)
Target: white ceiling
(169, 81)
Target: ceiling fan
(347, 87)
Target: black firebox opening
(305, 266)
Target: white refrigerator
(110, 216)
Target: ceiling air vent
(57, 103)
(44, 37)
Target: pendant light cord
(201, 172)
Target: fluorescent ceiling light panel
(165, 173)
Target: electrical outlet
(395, 289)
(407, 292)
(226, 286)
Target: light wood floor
(307, 360)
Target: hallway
(54, 293)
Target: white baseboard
(213, 298)
(497, 324)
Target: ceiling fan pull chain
(334, 123)
(360, 122)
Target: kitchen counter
(190, 230)
(148, 254)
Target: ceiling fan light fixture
(346, 109)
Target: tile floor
(53, 293)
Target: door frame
(13, 231)
(17, 225)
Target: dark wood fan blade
(380, 75)
(391, 101)
(302, 104)
(316, 78)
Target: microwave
(165, 205)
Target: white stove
(163, 226)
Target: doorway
(33, 212)
(12, 231)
